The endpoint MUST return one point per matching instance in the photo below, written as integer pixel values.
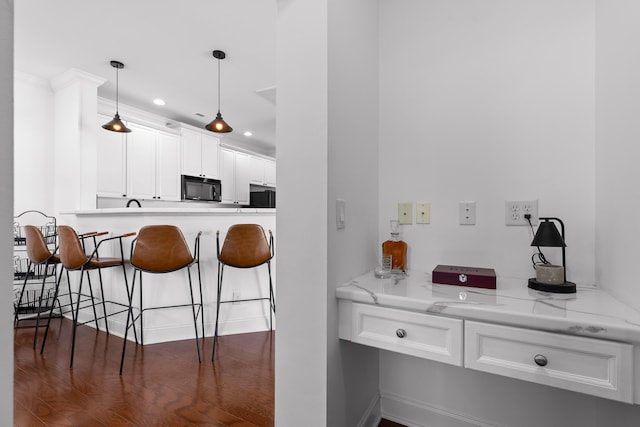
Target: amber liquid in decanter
(397, 249)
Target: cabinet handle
(401, 333)
(540, 360)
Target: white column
(75, 128)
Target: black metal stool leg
(195, 318)
(75, 323)
(215, 333)
(55, 298)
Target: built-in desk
(586, 342)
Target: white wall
(353, 176)
(495, 101)
(33, 125)
(301, 129)
(488, 101)
(617, 148)
(6, 209)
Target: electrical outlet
(467, 213)
(514, 212)
(405, 214)
(423, 213)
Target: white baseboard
(179, 331)
(371, 416)
(412, 413)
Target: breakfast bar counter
(176, 324)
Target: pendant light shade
(218, 125)
(116, 124)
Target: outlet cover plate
(514, 212)
(405, 213)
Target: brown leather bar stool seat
(39, 255)
(160, 249)
(73, 258)
(245, 246)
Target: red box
(464, 276)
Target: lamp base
(565, 288)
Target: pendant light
(116, 124)
(218, 125)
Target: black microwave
(263, 199)
(202, 189)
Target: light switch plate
(405, 213)
(423, 213)
(340, 214)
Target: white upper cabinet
(153, 166)
(111, 164)
(168, 166)
(199, 154)
(262, 171)
(270, 172)
(235, 176)
(257, 170)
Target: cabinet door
(191, 152)
(141, 162)
(257, 170)
(227, 175)
(270, 173)
(111, 166)
(167, 167)
(210, 148)
(243, 168)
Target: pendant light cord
(117, 89)
(218, 85)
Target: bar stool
(245, 246)
(160, 249)
(73, 258)
(40, 258)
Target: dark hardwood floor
(162, 384)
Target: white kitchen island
(166, 289)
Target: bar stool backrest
(72, 253)
(160, 249)
(37, 249)
(245, 246)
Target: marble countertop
(173, 211)
(589, 312)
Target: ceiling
(166, 48)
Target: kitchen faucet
(133, 201)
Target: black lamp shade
(116, 125)
(548, 235)
(219, 125)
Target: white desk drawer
(586, 365)
(422, 335)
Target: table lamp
(548, 235)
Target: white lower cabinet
(586, 365)
(430, 337)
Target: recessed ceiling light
(158, 101)
(248, 133)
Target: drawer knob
(401, 333)
(540, 360)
